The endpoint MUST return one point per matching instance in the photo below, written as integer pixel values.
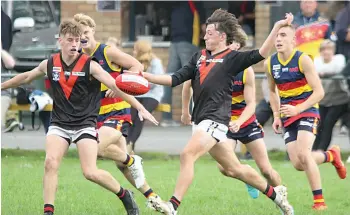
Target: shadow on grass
(274, 155)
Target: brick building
(116, 24)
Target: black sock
(270, 192)
(48, 208)
(121, 193)
(175, 202)
(148, 193)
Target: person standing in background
(342, 29)
(7, 62)
(6, 31)
(336, 99)
(187, 22)
(152, 64)
(311, 28)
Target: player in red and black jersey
(211, 71)
(244, 126)
(75, 80)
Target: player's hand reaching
(289, 110)
(186, 118)
(144, 114)
(287, 21)
(277, 125)
(234, 126)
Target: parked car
(35, 25)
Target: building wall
(110, 24)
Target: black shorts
(120, 125)
(251, 132)
(290, 133)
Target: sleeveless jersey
(292, 84)
(238, 102)
(75, 94)
(111, 108)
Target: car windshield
(40, 11)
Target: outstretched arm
(26, 77)
(185, 73)
(269, 42)
(124, 60)
(105, 78)
(246, 59)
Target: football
(132, 84)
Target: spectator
(333, 10)
(311, 28)
(7, 62)
(342, 29)
(245, 12)
(6, 31)
(150, 100)
(187, 20)
(335, 102)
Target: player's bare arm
(158, 79)
(26, 77)
(274, 99)
(105, 78)
(249, 97)
(269, 42)
(186, 98)
(124, 60)
(312, 78)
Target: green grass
(210, 193)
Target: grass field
(210, 193)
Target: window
(147, 20)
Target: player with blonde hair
(114, 119)
(296, 111)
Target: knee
(298, 166)
(231, 172)
(187, 157)
(91, 174)
(222, 170)
(299, 163)
(51, 164)
(303, 158)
